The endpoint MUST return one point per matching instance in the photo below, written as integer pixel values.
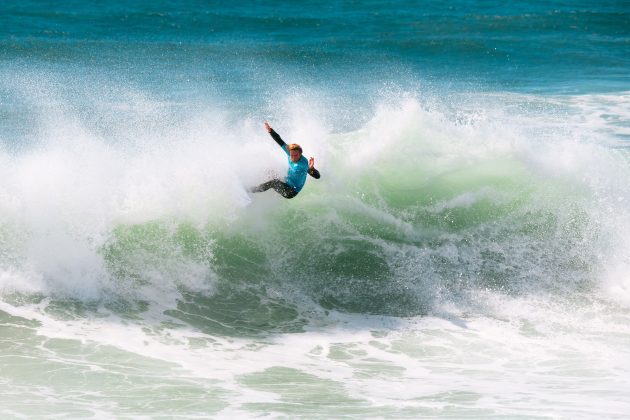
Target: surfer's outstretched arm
(274, 135)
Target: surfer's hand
(267, 127)
(311, 163)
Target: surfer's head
(295, 152)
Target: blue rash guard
(296, 175)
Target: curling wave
(428, 202)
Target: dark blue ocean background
(245, 51)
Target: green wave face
(394, 227)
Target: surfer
(298, 168)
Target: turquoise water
(464, 255)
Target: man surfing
(296, 175)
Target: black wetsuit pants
(280, 187)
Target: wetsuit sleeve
(314, 173)
(277, 138)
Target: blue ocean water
(348, 47)
(465, 253)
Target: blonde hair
(294, 146)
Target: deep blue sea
(465, 254)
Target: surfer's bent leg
(280, 187)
